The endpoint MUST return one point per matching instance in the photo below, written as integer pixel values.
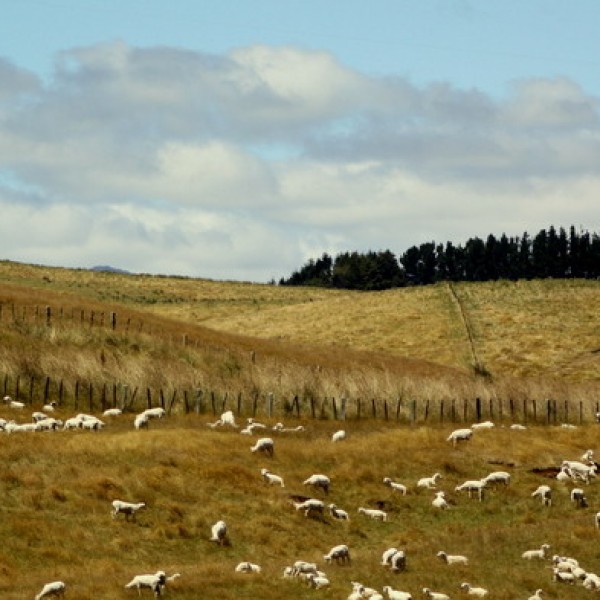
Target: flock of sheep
(581, 472)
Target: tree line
(550, 253)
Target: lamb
(338, 436)
(393, 594)
(319, 481)
(338, 513)
(248, 567)
(359, 591)
(72, 423)
(154, 582)
(397, 487)
(271, 478)
(317, 581)
(281, 429)
(453, 559)
(141, 421)
(48, 424)
(129, 509)
(460, 435)
(429, 482)
(55, 588)
(264, 445)
(373, 513)
(472, 486)
(340, 554)
(541, 553)
(435, 595)
(544, 493)
(497, 477)
(473, 591)
(440, 501)
(578, 497)
(591, 582)
(310, 506)
(219, 533)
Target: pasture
(57, 489)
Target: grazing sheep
(338, 513)
(440, 501)
(48, 424)
(429, 482)
(38, 416)
(578, 470)
(453, 559)
(373, 513)
(340, 554)
(393, 594)
(578, 497)
(50, 407)
(94, 424)
(387, 555)
(497, 477)
(154, 582)
(397, 487)
(563, 475)
(219, 533)
(483, 425)
(310, 506)
(473, 591)
(271, 478)
(460, 435)
(537, 595)
(141, 421)
(338, 436)
(302, 567)
(264, 445)
(318, 481)
(398, 561)
(281, 429)
(14, 403)
(541, 553)
(591, 582)
(559, 576)
(544, 493)
(517, 427)
(248, 567)
(112, 412)
(155, 413)
(129, 509)
(317, 581)
(471, 487)
(435, 595)
(55, 588)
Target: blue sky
(235, 140)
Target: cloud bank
(243, 166)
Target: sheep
(588, 457)
(317, 581)
(264, 445)
(472, 486)
(248, 567)
(387, 556)
(497, 477)
(435, 595)
(483, 425)
(373, 513)
(398, 561)
(537, 595)
(359, 591)
(393, 594)
(14, 403)
(50, 407)
(517, 427)
(397, 487)
(141, 421)
(227, 418)
(48, 424)
(112, 412)
(473, 591)
(318, 481)
(577, 470)
(597, 520)
(460, 435)
(302, 567)
(340, 554)
(129, 509)
(94, 424)
(338, 436)
(38, 416)
(219, 533)
(541, 553)
(310, 506)
(544, 493)
(155, 413)
(72, 423)
(429, 482)
(338, 513)
(563, 475)
(591, 582)
(559, 576)
(440, 501)
(281, 429)
(453, 559)
(578, 497)
(154, 582)
(271, 478)
(55, 588)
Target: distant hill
(109, 269)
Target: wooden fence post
(478, 410)
(198, 401)
(343, 411)
(270, 404)
(398, 407)
(334, 407)
(239, 403)
(113, 321)
(373, 408)
(91, 396)
(385, 409)
(31, 388)
(77, 394)
(48, 316)
(47, 390)
(312, 407)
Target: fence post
(478, 409)
(343, 410)
(48, 316)
(91, 396)
(385, 409)
(47, 390)
(373, 408)
(77, 394)
(312, 407)
(442, 410)
(113, 320)
(31, 388)
(270, 404)
(334, 407)
(198, 401)
(398, 407)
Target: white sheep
(537, 595)
(338, 513)
(154, 582)
(14, 403)
(429, 482)
(588, 457)
(129, 509)
(340, 554)
(112, 412)
(453, 559)
(563, 576)
(248, 567)
(318, 480)
(94, 424)
(338, 436)
(460, 435)
(317, 581)
(48, 424)
(281, 429)
(474, 591)
(540, 553)
(387, 555)
(72, 423)
(271, 478)
(55, 588)
(393, 594)
(373, 513)
(435, 595)
(219, 533)
(483, 425)
(397, 487)
(264, 445)
(578, 497)
(310, 506)
(398, 561)
(38, 416)
(563, 475)
(472, 486)
(155, 413)
(578, 470)
(440, 501)
(544, 492)
(228, 418)
(301, 567)
(518, 427)
(591, 582)
(497, 477)
(141, 421)
(51, 407)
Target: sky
(236, 140)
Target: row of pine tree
(550, 253)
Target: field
(517, 342)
